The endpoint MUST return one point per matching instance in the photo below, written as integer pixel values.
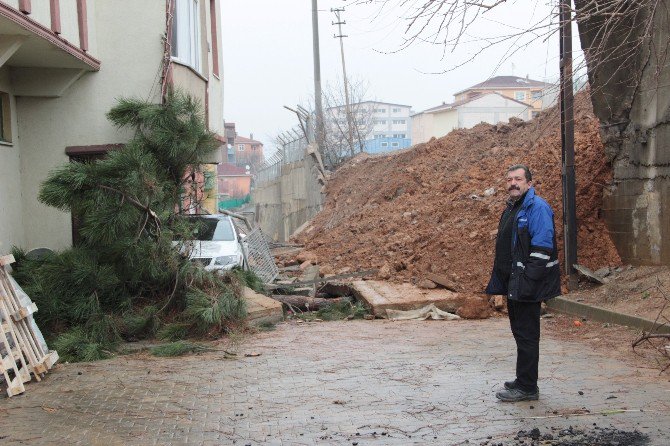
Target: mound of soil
(434, 208)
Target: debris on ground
(434, 209)
(425, 313)
(571, 436)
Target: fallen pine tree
(125, 279)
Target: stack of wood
(23, 352)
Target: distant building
(466, 113)
(536, 94)
(384, 126)
(229, 135)
(248, 151)
(233, 181)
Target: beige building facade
(536, 94)
(64, 64)
(466, 113)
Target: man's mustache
(512, 187)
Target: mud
(434, 208)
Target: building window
(5, 118)
(399, 135)
(399, 121)
(380, 110)
(395, 144)
(520, 95)
(380, 121)
(396, 110)
(186, 33)
(240, 147)
(384, 144)
(537, 95)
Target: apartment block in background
(383, 126)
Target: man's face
(517, 184)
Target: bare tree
(346, 135)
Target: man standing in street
(526, 271)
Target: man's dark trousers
(524, 318)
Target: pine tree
(125, 277)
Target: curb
(600, 314)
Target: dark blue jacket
(536, 275)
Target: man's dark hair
(526, 170)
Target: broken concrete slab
(590, 275)
(379, 296)
(261, 309)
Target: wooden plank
(25, 312)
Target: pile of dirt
(434, 208)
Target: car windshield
(211, 229)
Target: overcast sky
(268, 62)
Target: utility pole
(568, 144)
(317, 77)
(341, 36)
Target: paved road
(358, 382)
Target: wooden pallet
(22, 352)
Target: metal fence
(259, 258)
(293, 149)
(270, 169)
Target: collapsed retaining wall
(630, 90)
(285, 203)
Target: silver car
(216, 244)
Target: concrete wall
(630, 91)
(285, 204)
(11, 218)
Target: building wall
(11, 218)
(381, 145)
(422, 126)
(444, 123)
(130, 60)
(234, 186)
(492, 109)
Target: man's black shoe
(514, 395)
(509, 385)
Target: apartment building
(64, 64)
(383, 126)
